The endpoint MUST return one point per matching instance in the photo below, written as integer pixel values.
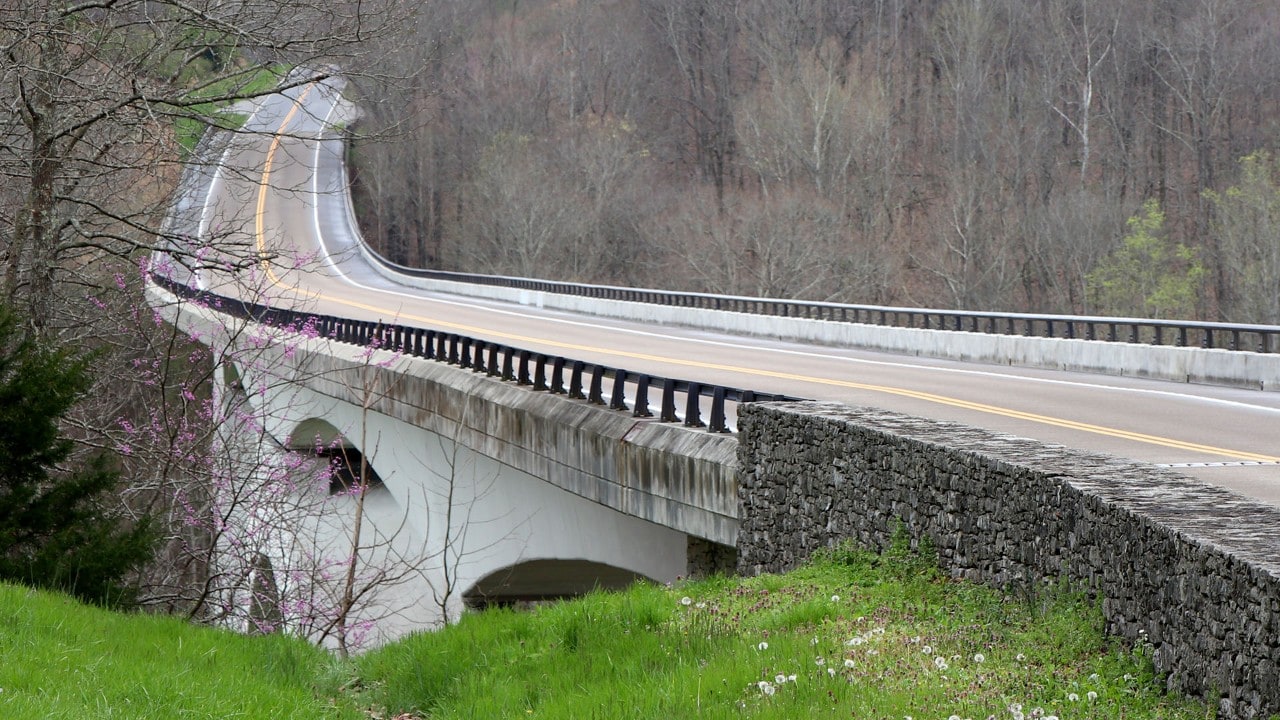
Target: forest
(1064, 156)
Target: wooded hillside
(1075, 156)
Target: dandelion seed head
(835, 598)
(763, 645)
(686, 601)
(819, 661)
(780, 678)
(1021, 657)
(701, 605)
(849, 663)
(831, 672)
(1091, 695)
(791, 678)
(1073, 697)
(979, 658)
(927, 649)
(940, 662)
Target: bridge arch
(546, 579)
(347, 463)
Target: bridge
(533, 440)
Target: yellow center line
(264, 258)
(754, 372)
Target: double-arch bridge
(534, 439)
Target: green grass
(189, 128)
(853, 634)
(61, 659)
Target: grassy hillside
(851, 635)
(61, 659)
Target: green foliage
(1247, 224)
(61, 659)
(191, 123)
(1148, 275)
(54, 531)
(881, 647)
(853, 634)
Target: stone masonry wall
(1195, 567)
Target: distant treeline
(1073, 156)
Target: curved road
(279, 188)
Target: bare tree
(1085, 41)
(1247, 225)
(106, 102)
(966, 253)
(1199, 68)
(103, 99)
(702, 37)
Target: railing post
(508, 357)
(540, 372)
(642, 397)
(491, 367)
(464, 353)
(575, 380)
(718, 423)
(668, 413)
(557, 376)
(595, 394)
(693, 406)
(453, 349)
(618, 397)
(522, 375)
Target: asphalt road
(279, 191)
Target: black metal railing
(543, 372)
(1181, 333)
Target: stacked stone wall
(1193, 567)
